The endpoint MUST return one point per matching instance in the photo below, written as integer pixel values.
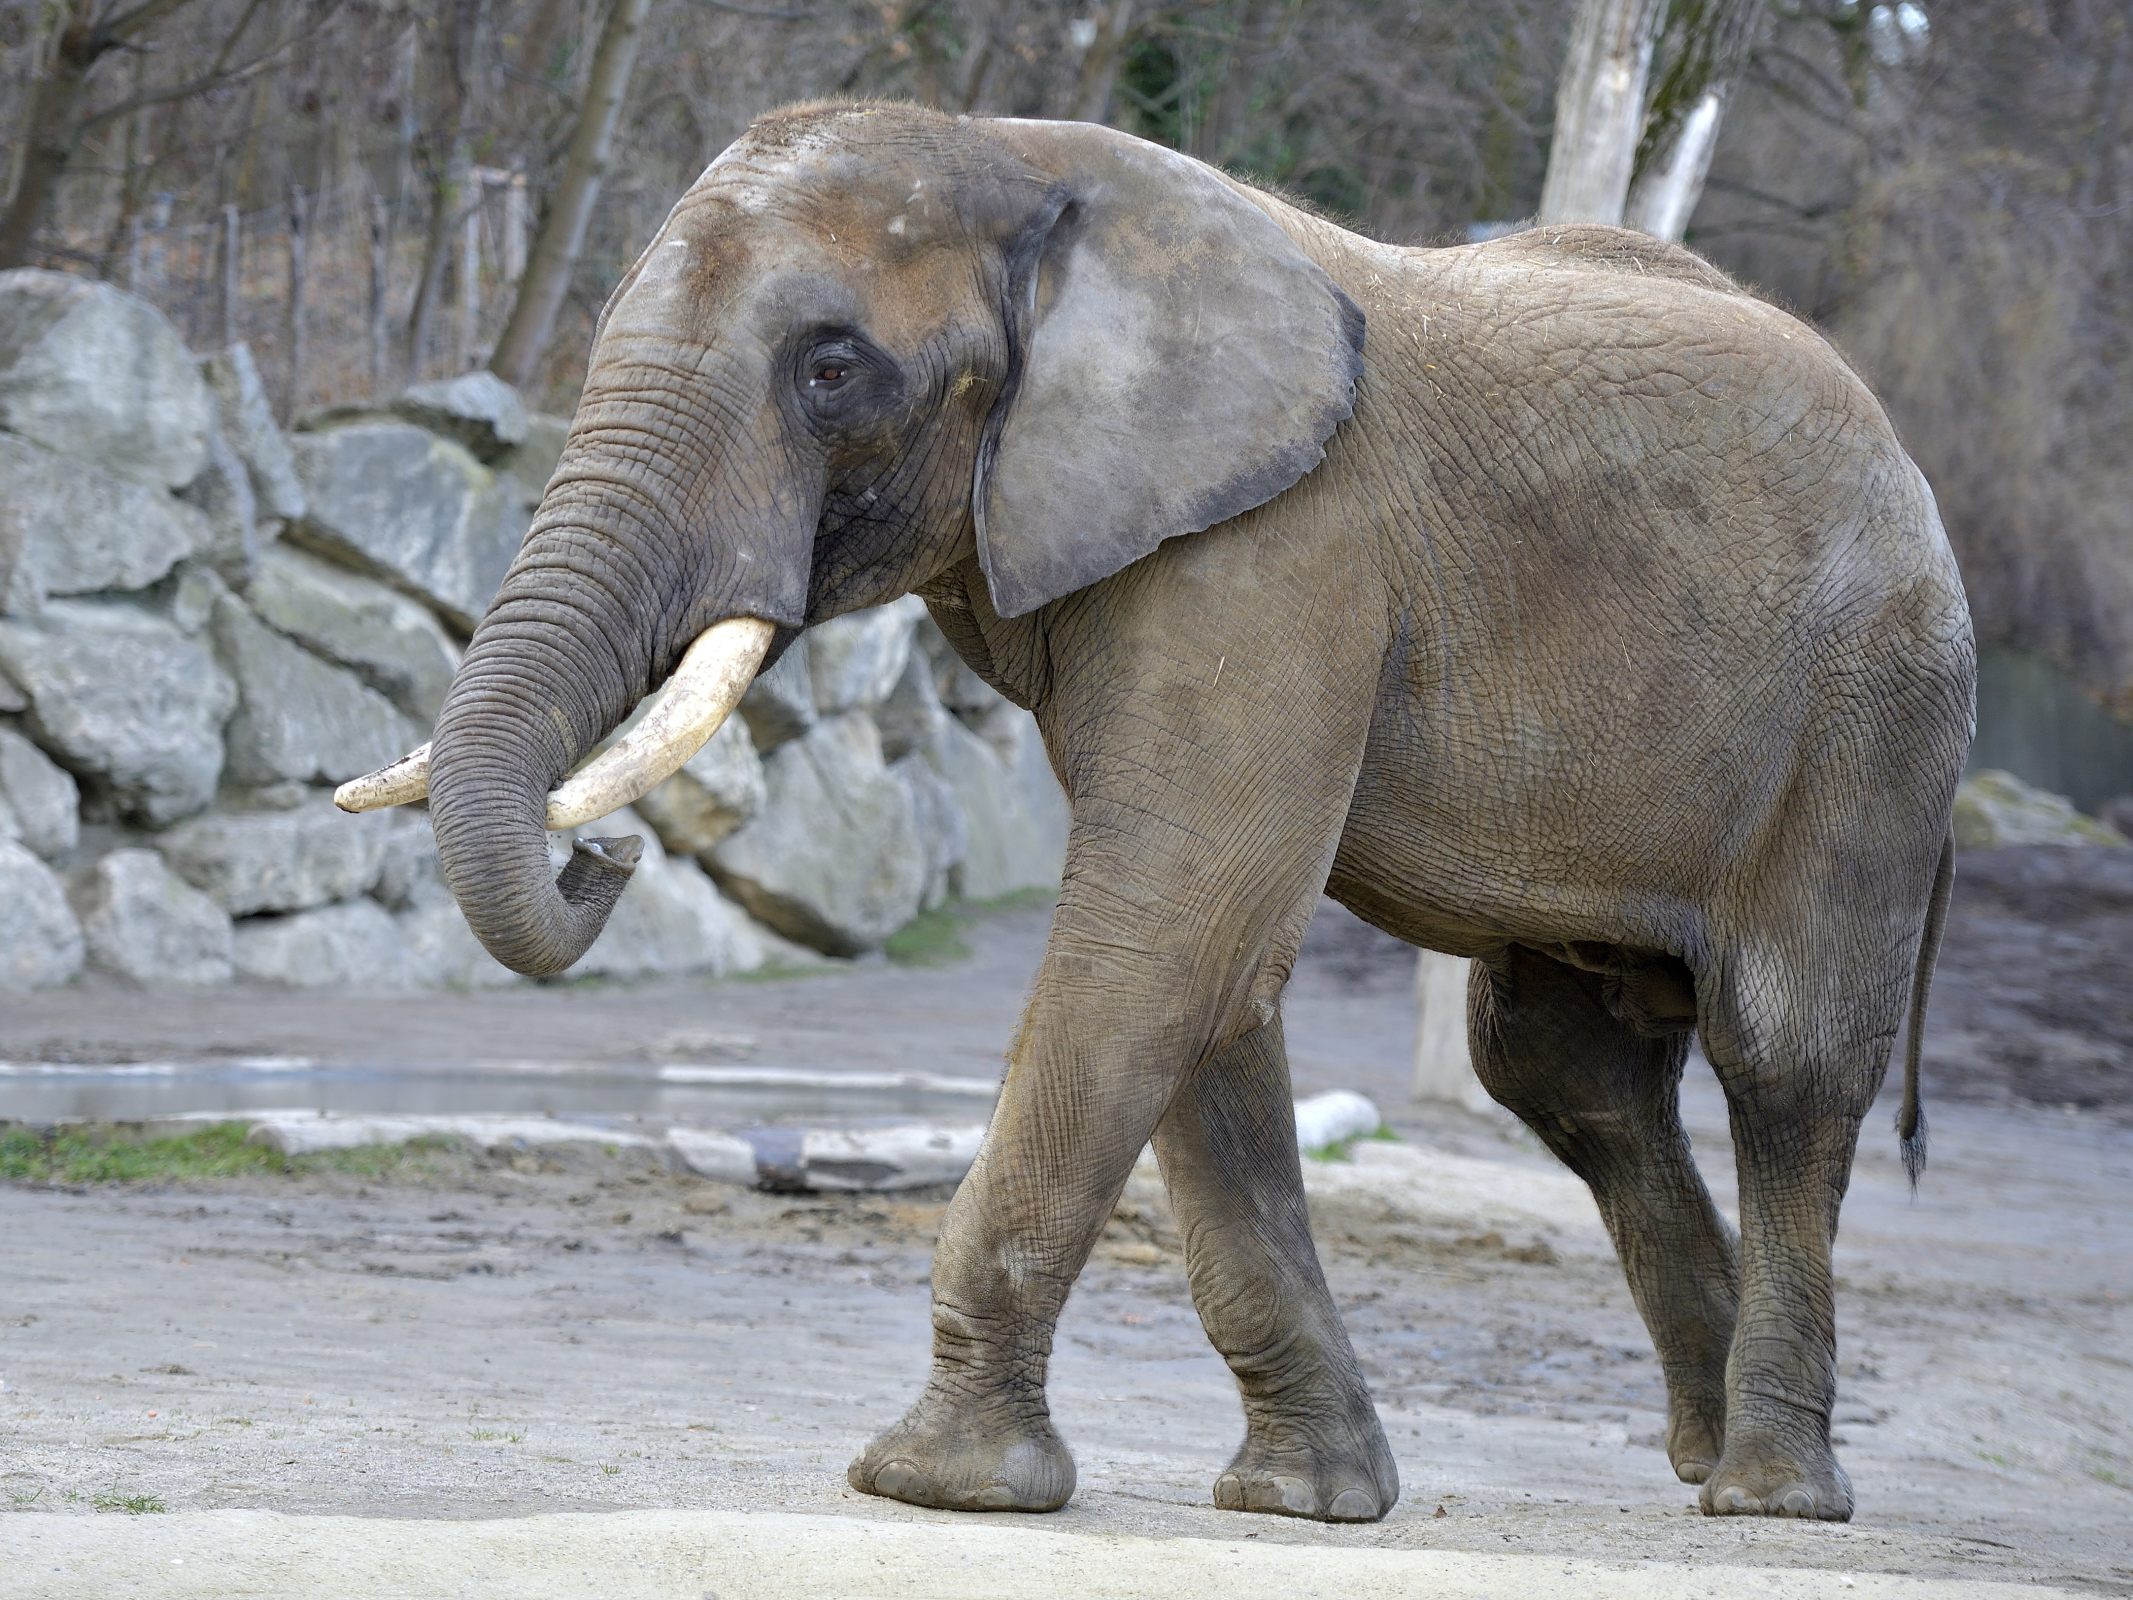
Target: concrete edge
(790, 1160)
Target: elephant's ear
(1177, 360)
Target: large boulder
(298, 717)
(273, 858)
(126, 695)
(92, 372)
(1997, 808)
(412, 508)
(478, 409)
(943, 829)
(222, 494)
(911, 716)
(1012, 805)
(141, 921)
(79, 529)
(40, 942)
(533, 462)
(389, 641)
(247, 425)
(780, 703)
(834, 858)
(354, 945)
(40, 803)
(855, 660)
(442, 952)
(669, 921)
(720, 788)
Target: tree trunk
(1099, 66)
(1599, 110)
(1705, 46)
(51, 127)
(1665, 193)
(555, 250)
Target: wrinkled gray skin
(1615, 643)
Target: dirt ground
(514, 1337)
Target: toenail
(995, 1497)
(901, 1480)
(1296, 1496)
(1353, 1505)
(1229, 1492)
(1797, 1503)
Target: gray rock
(391, 642)
(411, 508)
(40, 942)
(355, 944)
(442, 952)
(834, 858)
(855, 660)
(670, 921)
(911, 716)
(720, 788)
(40, 804)
(298, 717)
(247, 423)
(142, 921)
(533, 463)
(409, 876)
(1997, 808)
(478, 409)
(257, 859)
(223, 495)
(1016, 814)
(943, 830)
(92, 372)
(124, 694)
(780, 704)
(78, 529)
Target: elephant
(1552, 601)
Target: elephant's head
(869, 342)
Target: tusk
(404, 782)
(714, 673)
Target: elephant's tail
(1911, 1117)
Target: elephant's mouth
(685, 712)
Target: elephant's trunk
(541, 683)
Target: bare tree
(1599, 110)
(562, 235)
(1631, 144)
(58, 118)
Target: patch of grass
(1344, 1149)
(1994, 1457)
(931, 939)
(95, 1155)
(610, 1470)
(133, 1505)
(218, 1150)
(1015, 900)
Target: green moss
(214, 1151)
(1344, 1149)
(931, 939)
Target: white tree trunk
(1599, 110)
(1444, 1071)
(1666, 192)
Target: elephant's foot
(954, 1455)
(1761, 1477)
(1341, 1473)
(1695, 1437)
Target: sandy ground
(521, 1339)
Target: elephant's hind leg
(1312, 1445)
(1606, 1100)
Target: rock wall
(206, 623)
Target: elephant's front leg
(1196, 856)
(1312, 1444)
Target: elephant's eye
(828, 375)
